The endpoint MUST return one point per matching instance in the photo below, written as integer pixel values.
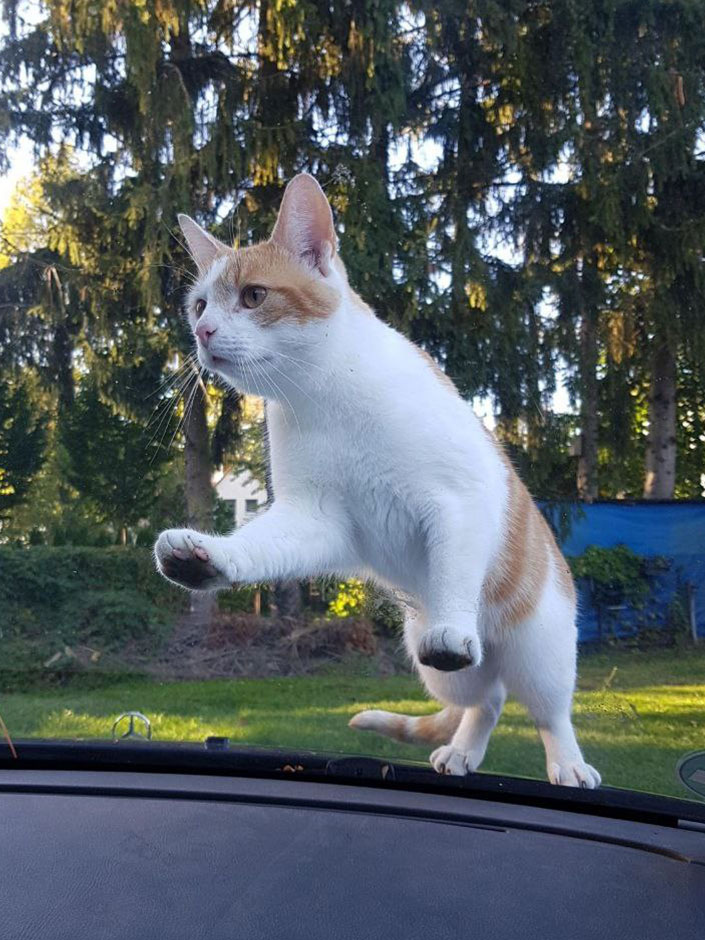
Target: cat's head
(257, 311)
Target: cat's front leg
(458, 548)
(285, 542)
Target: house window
(251, 505)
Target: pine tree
(23, 438)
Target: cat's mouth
(237, 359)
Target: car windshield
(361, 468)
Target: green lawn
(634, 723)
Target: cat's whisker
(169, 409)
(250, 363)
(303, 362)
(251, 374)
(164, 407)
(172, 232)
(295, 384)
(281, 391)
(176, 269)
(184, 418)
(167, 403)
(183, 395)
(164, 420)
(300, 343)
(284, 375)
(277, 389)
(171, 378)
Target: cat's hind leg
(466, 749)
(463, 733)
(539, 665)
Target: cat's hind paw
(451, 760)
(574, 774)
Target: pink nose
(204, 331)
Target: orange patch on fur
(292, 290)
(516, 583)
(438, 728)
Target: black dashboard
(142, 842)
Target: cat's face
(259, 313)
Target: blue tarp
(675, 531)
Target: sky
(21, 162)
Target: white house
(242, 492)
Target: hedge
(55, 601)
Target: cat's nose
(204, 331)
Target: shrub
(616, 570)
(242, 599)
(381, 609)
(58, 600)
(365, 600)
(349, 601)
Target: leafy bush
(349, 601)
(57, 600)
(382, 611)
(355, 598)
(109, 618)
(616, 570)
(242, 599)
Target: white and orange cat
(381, 470)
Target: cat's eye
(252, 296)
(200, 307)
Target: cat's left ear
(304, 225)
(203, 248)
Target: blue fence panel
(675, 531)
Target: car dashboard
(138, 841)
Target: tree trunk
(199, 491)
(286, 595)
(587, 462)
(62, 350)
(286, 601)
(660, 476)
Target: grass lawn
(635, 713)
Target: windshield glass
(359, 468)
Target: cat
(381, 470)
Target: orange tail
(426, 729)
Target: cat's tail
(438, 728)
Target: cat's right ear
(203, 248)
(304, 225)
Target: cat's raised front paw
(193, 560)
(449, 649)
